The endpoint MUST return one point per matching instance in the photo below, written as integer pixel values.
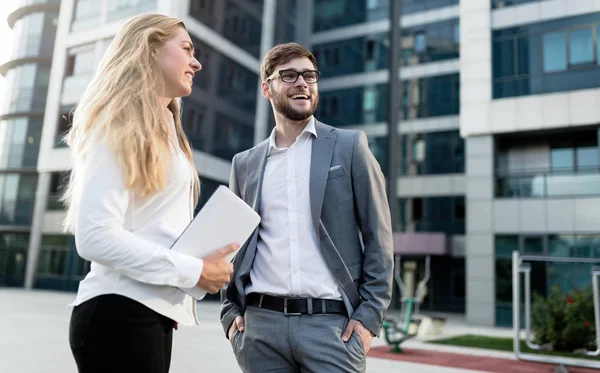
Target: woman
(132, 192)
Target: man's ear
(266, 90)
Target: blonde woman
(132, 192)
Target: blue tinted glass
(352, 56)
(562, 159)
(498, 4)
(431, 42)
(555, 52)
(587, 158)
(330, 14)
(581, 46)
(504, 58)
(420, 42)
(241, 25)
(414, 6)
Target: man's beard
(283, 107)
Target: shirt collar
(310, 128)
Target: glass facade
(26, 87)
(544, 275)
(433, 214)
(59, 266)
(553, 56)
(331, 14)
(351, 56)
(431, 153)
(422, 98)
(17, 194)
(431, 42)
(58, 183)
(89, 13)
(13, 258)
(415, 6)
(21, 143)
(558, 165)
(285, 21)
(36, 33)
(238, 21)
(498, 4)
(431, 97)
(219, 115)
(420, 44)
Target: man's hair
(283, 53)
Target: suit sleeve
(229, 310)
(373, 216)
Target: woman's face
(177, 64)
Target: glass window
(555, 52)
(420, 42)
(13, 258)
(562, 245)
(581, 46)
(587, 158)
(598, 44)
(533, 245)
(505, 245)
(562, 159)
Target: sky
(6, 37)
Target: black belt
(296, 306)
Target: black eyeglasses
(291, 76)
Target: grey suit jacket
(347, 196)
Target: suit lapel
(255, 170)
(322, 152)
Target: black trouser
(113, 333)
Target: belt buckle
(285, 308)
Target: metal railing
(518, 268)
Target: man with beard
(311, 286)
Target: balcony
(546, 184)
(31, 6)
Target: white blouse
(127, 237)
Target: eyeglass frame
(273, 76)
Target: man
(305, 295)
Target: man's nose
(300, 82)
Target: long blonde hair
(121, 106)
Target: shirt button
(293, 239)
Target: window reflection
(581, 46)
(239, 23)
(432, 214)
(21, 144)
(17, 192)
(13, 258)
(24, 83)
(555, 52)
(551, 56)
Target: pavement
(34, 339)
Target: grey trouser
(274, 342)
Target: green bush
(564, 321)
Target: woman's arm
(100, 235)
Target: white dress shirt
(127, 237)
(288, 258)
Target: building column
(261, 120)
(475, 101)
(37, 222)
(480, 273)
